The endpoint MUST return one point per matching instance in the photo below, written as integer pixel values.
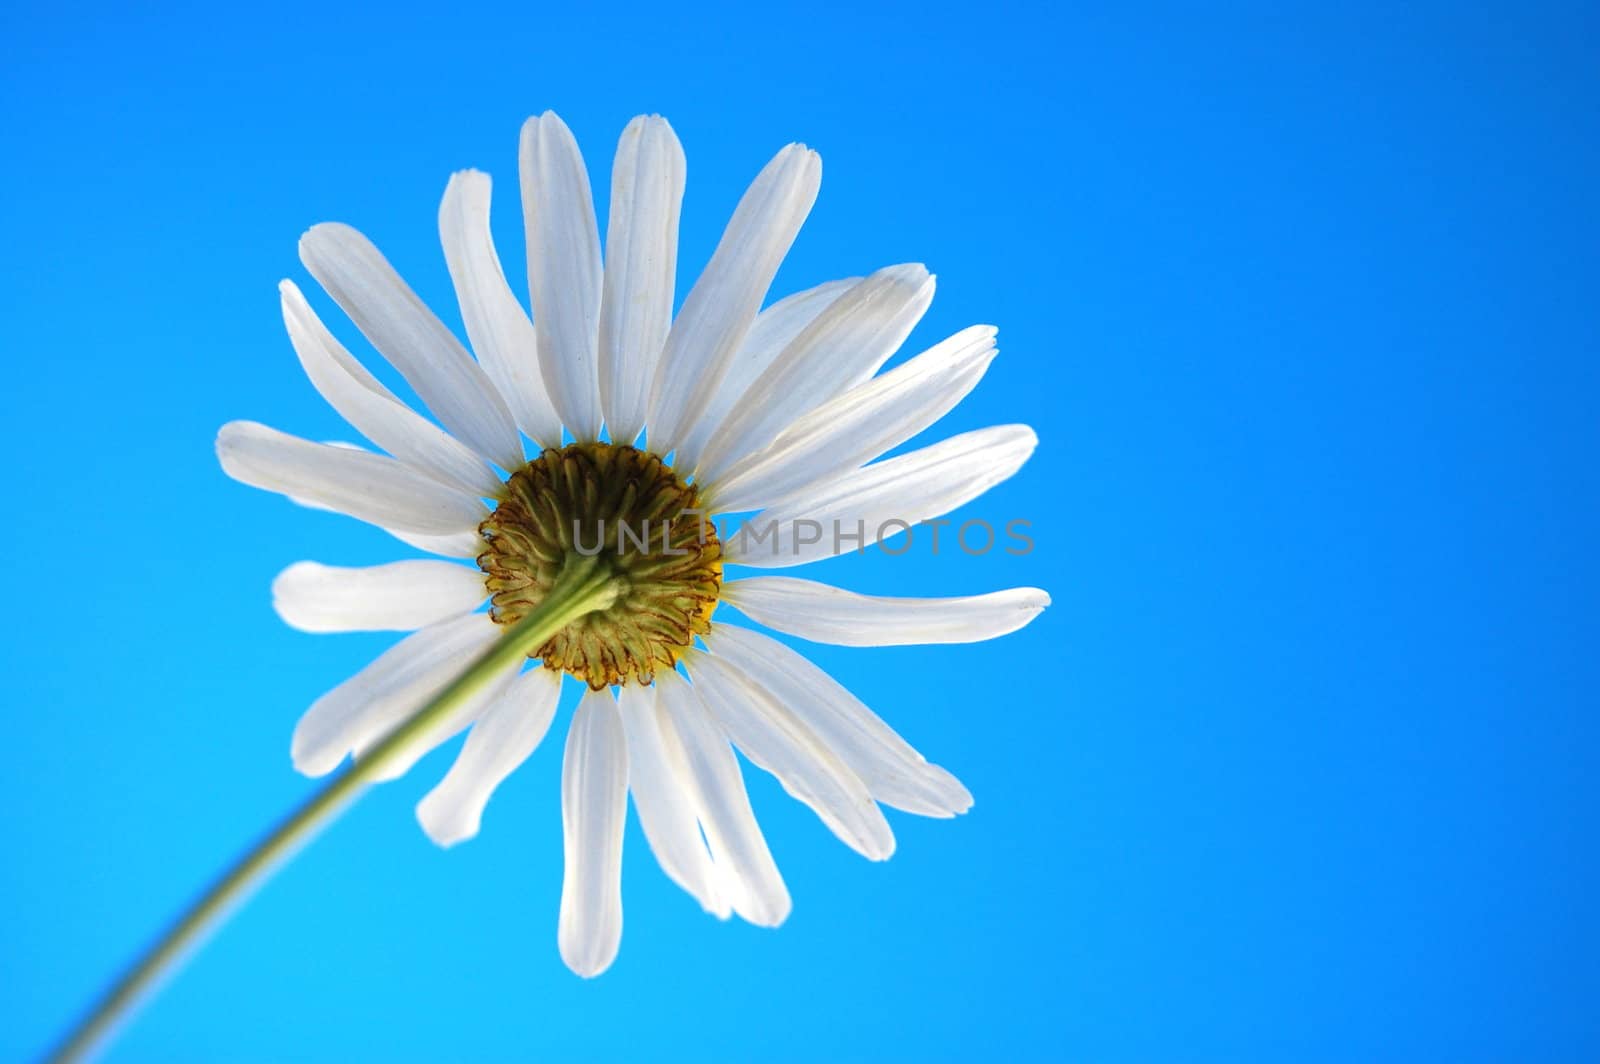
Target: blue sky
(1301, 763)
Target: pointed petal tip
(461, 183)
(906, 273)
(548, 121)
(957, 799)
(981, 336)
(799, 154)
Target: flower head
(643, 429)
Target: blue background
(1299, 766)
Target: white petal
(369, 487)
(718, 311)
(754, 887)
(773, 737)
(844, 346)
(415, 342)
(466, 544)
(563, 269)
(876, 499)
(773, 330)
(501, 334)
(861, 424)
(377, 699)
(399, 597)
(372, 409)
(827, 614)
(501, 740)
(453, 723)
(663, 793)
(640, 271)
(894, 773)
(594, 808)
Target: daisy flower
(643, 428)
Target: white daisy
(781, 411)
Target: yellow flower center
(628, 510)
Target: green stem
(582, 587)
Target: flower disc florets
(630, 512)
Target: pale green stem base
(583, 587)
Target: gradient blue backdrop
(1300, 765)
